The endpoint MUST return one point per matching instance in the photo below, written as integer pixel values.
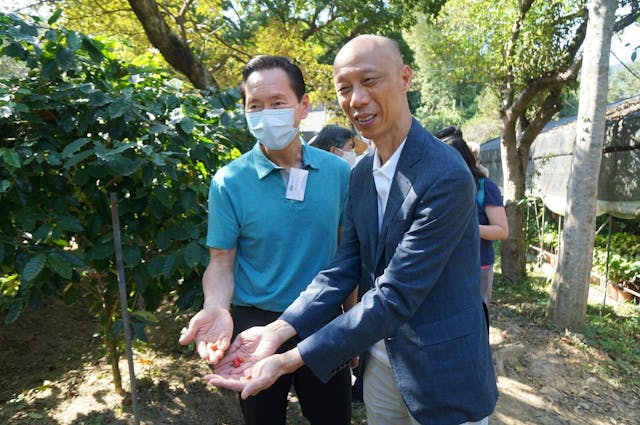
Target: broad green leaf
(33, 267)
(170, 265)
(73, 41)
(158, 128)
(64, 58)
(101, 251)
(86, 88)
(60, 265)
(155, 266)
(123, 147)
(72, 259)
(164, 196)
(131, 255)
(14, 50)
(53, 158)
(42, 232)
(74, 146)
(187, 125)
(163, 239)
(192, 253)
(15, 308)
(188, 199)
(158, 159)
(77, 158)
(70, 223)
(4, 185)
(142, 278)
(123, 166)
(92, 47)
(118, 108)
(99, 98)
(55, 16)
(11, 158)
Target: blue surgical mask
(272, 127)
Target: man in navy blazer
(411, 243)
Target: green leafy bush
(624, 261)
(76, 125)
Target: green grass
(613, 330)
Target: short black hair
(452, 136)
(262, 62)
(449, 132)
(332, 135)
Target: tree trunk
(514, 165)
(570, 289)
(174, 49)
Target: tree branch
(174, 49)
(550, 106)
(508, 88)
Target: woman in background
(338, 140)
(491, 213)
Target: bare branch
(174, 49)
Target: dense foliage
(225, 34)
(77, 125)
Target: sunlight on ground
(521, 392)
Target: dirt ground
(52, 372)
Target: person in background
(274, 219)
(411, 243)
(475, 150)
(337, 140)
(491, 213)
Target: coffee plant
(76, 125)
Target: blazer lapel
(400, 187)
(371, 205)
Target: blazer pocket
(447, 329)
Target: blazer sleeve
(429, 227)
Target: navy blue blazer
(419, 287)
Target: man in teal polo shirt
(274, 218)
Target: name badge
(297, 184)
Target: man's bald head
(371, 82)
(370, 44)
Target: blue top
(281, 243)
(492, 197)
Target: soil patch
(52, 371)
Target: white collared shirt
(382, 177)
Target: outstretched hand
(265, 373)
(211, 328)
(233, 371)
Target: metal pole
(123, 302)
(541, 253)
(606, 267)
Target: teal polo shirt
(281, 243)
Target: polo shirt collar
(264, 166)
